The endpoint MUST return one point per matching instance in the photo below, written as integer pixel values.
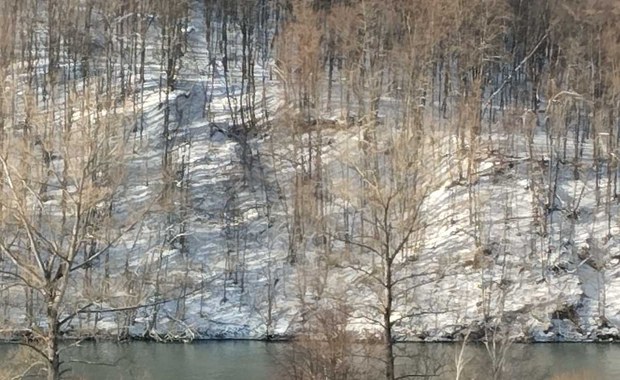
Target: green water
(240, 360)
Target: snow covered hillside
(262, 180)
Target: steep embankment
(517, 232)
(524, 243)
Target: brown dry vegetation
(580, 375)
(415, 86)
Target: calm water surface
(240, 360)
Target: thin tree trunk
(51, 349)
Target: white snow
(528, 287)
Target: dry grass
(577, 375)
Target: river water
(240, 360)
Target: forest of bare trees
(334, 170)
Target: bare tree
(52, 236)
(391, 202)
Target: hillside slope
(249, 198)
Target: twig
(494, 94)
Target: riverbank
(469, 335)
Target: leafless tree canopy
(339, 170)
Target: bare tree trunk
(51, 342)
(387, 322)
